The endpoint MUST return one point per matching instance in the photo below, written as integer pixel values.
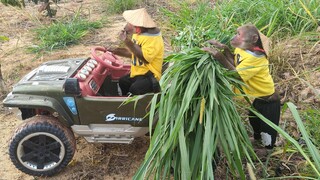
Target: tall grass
(283, 17)
(193, 25)
(278, 18)
(63, 33)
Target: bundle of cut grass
(197, 117)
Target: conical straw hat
(266, 43)
(139, 17)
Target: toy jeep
(64, 97)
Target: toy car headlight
(70, 102)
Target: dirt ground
(91, 161)
(118, 161)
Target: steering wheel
(114, 62)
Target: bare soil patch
(91, 161)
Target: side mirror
(71, 87)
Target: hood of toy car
(49, 77)
(53, 70)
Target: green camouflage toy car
(72, 96)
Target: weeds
(312, 119)
(4, 38)
(118, 6)
(63, 33)
(18, 3)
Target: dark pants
(137, 85)
(262, 131)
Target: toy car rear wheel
(42, 146)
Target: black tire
(42, 146)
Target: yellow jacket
(152, 47)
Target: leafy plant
(63, 33)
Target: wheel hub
(40, 151)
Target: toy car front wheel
(42, 146)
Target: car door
(114, 110)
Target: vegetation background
(29, 38)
